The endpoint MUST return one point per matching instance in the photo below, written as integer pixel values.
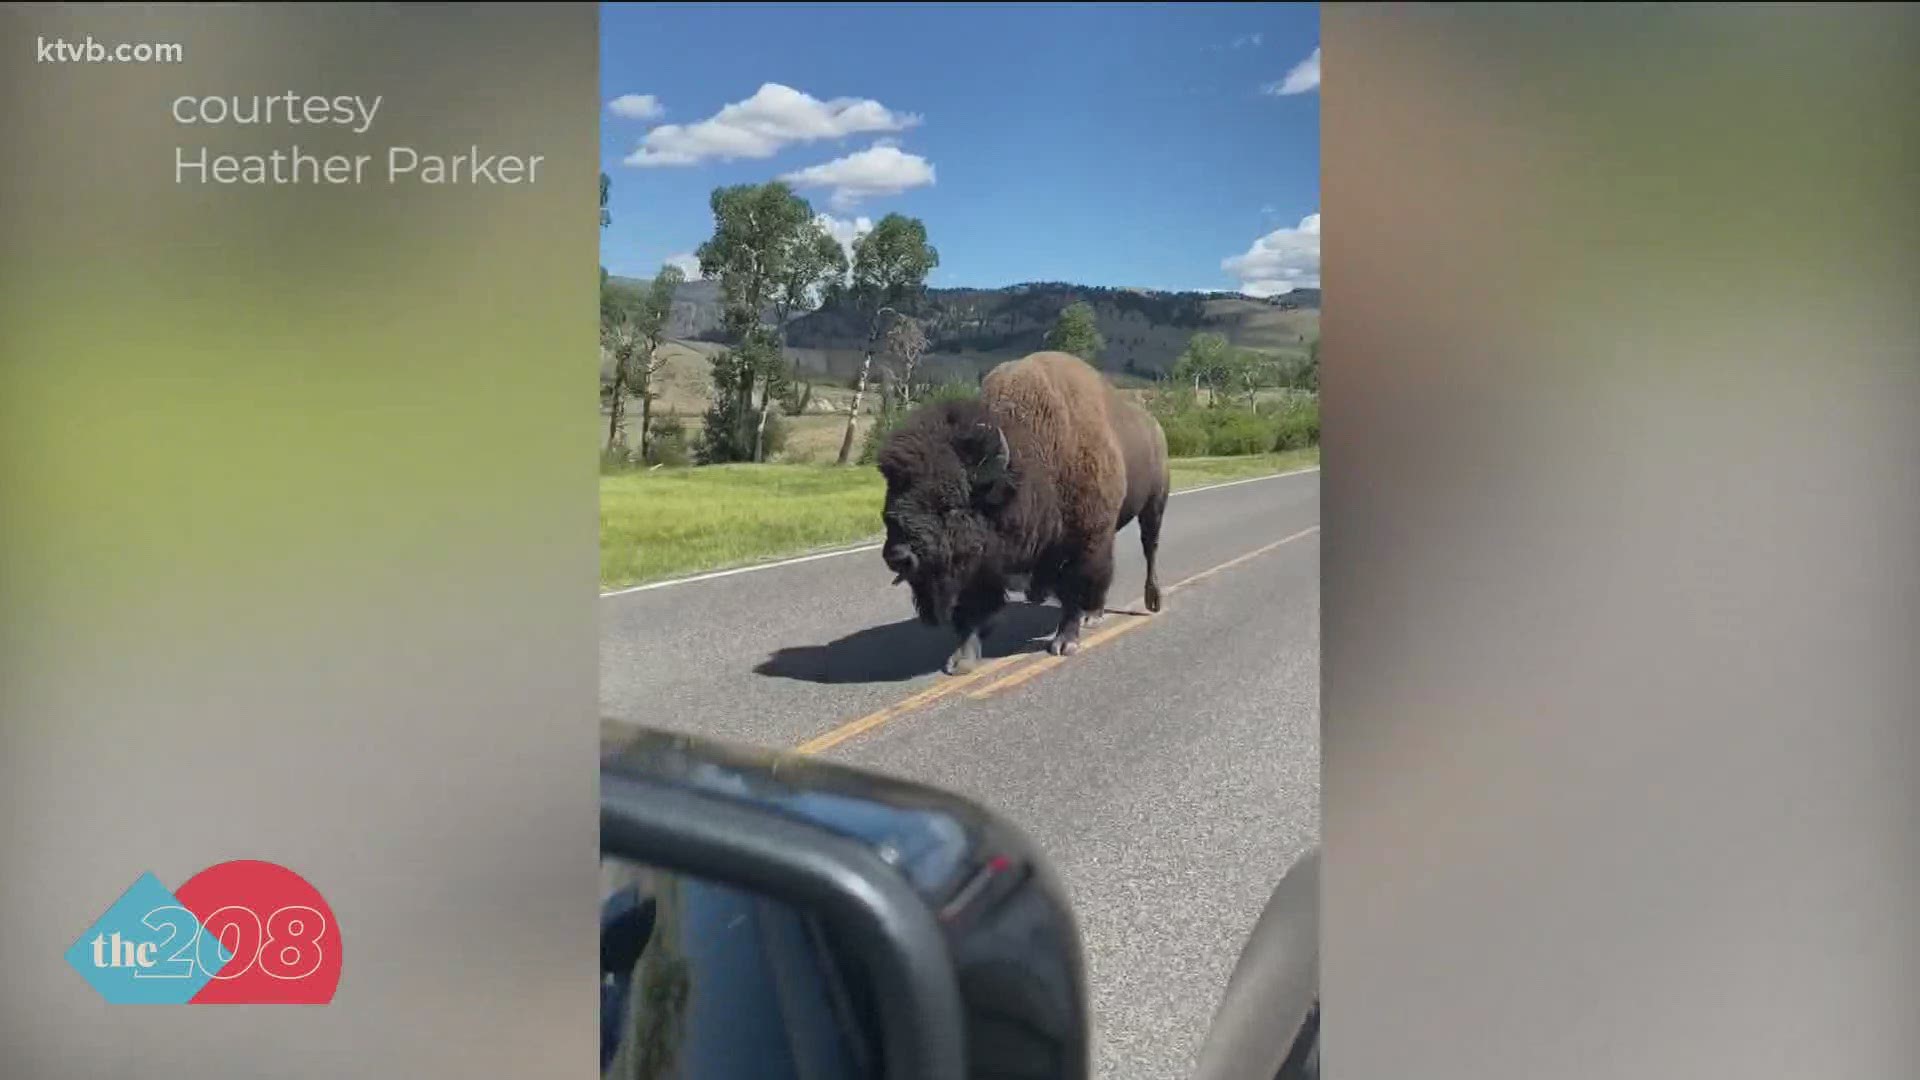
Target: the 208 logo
(245, 932)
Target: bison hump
(1065, 407)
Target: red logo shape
(284, 939)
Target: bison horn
(1001, 454)
(994, 460)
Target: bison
(1031, 481)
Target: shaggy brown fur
(1033, 480)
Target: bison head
(948, 471)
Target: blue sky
(1125, 145)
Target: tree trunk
(853, 413)
(743, 413)
(616, 423)
(760, 428)
(766, 393)
(646, 420)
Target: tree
(655, 312)
(606, 219)
(730, 427)
(760, 232)
(907, 342)
(815, 267)
(1076, 333)
(619, 340)
(890, 268)
(818, 264)
(632, 327)
(1208, 361)
(1253, 372)
(891, 263)
(1310, 378)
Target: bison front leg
(972, 618)
(1066, 639)
(1083, 594)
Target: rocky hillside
(973, 329)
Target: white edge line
(875, 546)
(743, 570)
(1246, 480)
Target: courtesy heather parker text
(293, 164)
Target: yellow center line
(1106, 634)
(931, 694)
(1048, 663)
(1236, 561)
(1033, 668)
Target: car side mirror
(772, 915)
(1268, 1022)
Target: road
(1170, 770)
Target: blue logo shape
(147, 949)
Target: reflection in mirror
(705, 980)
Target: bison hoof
(1062, 645)
(1153, 597)
(1092, 619)
(965, 658)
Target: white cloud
(636, 107)
(1246, 40)
(1305, 76)
(878, 170)
(1281, 261)
(845, 230)
(774, 117)
(688, 264)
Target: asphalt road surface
(1170, 770)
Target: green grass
(1197, 471)
(668, 522)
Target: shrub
(795, 397)
(956, 390)
(1239, 432)
(667, 442)
(877, 432)
(775, 438)
(1297, 425)
(1173, 401)
(1186, 436)
(723, 437)
(883, 424)
(728, 433)
(1194, 430)
(616, 459)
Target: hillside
(973, 329)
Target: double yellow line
(1024, 666)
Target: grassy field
(669, 522)
(1197, 472)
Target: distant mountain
(970, 330)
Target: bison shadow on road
(907, 650)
